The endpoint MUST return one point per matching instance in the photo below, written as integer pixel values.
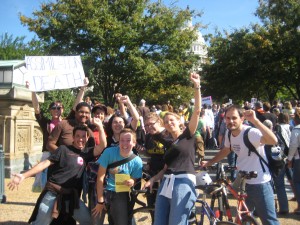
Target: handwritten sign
(206, 100)
(54, 72)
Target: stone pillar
(20, 134)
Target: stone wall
(20, 134)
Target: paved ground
(20, 203)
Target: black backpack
(275, 166)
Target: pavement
(20, 203)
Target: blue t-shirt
(111, 155)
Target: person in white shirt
(259, 189)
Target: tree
(15, 48)
(126, 45)
(284, 18)
(258, 61)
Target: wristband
(198, 86)
(101, 203)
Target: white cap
(192, 100)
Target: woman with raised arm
(176, 194)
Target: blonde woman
(176, 194)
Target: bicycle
(144, 213)
(205, 209)
(243, 214)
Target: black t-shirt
(180, 156)
(156, 150)
(69, 165)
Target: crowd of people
(93, 152)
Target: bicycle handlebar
(248, 174)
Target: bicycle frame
(242, 209)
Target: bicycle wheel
(249, 220)
(143, 215)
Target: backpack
(275, 155)
(281, 141)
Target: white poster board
(54, 72)
(206, 100)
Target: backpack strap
(251, 148)
(121, 162)
(229, 136)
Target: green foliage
(65, 96)
(127, 46)
(259, 61)
(15, 48)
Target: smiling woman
(117, 203)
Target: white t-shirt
(252, 162)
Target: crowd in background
(156, 129)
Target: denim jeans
(44, 215)
(281, 192)
(175, 210)
(231, 158)
(296, 179)
(261, 198)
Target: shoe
(297, 211)
(283, 212)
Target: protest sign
(206, 100)
(54, 72)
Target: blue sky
(224, 14)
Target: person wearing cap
(99, 111)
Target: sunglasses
(56, 107)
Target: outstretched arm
(18, 178)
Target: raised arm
(133, 112)
(268, 138)
(195, 78)
(102, 137)
(79, 97)
(35, 101)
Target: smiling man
(65, 181)
(62, 133)
(259, 190)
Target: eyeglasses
(83, 112)
(150, 124)
(56, 107)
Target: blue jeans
(261, 198)
(175, 210)
(281, 192)
(296, 179)
(231, 158)
(44, 215)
